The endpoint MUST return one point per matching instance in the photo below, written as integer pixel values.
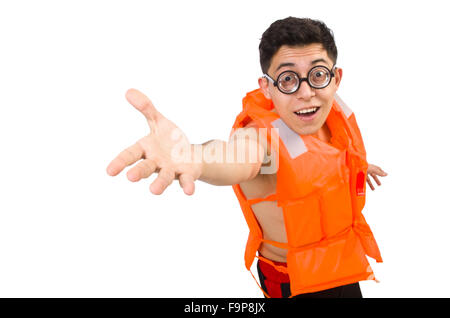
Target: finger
(379, 171)
(164, 179)
(370, 183)
(124, 159)
(187, 183)
(144, 105)
(376, 179)
(142, 170)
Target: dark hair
(293, 31)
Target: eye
(319, 76)
(288, 81)
(287, 78)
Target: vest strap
(281, 269)
(272, 197)
(256, 281)
(276, 244)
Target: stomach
(271, 220)
(268, 214)
(273, 253)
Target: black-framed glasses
(289, 82)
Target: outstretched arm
(167, 151)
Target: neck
(323, 133)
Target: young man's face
(301, 59)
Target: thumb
(142, 103)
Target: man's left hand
(375, 172)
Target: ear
(264, 85)
(338, 76)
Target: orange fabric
(321, 189)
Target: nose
(305, 91)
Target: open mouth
(308, 113)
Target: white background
(67, 229)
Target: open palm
(161, 151)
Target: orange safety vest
(321, 190)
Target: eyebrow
(293, 64)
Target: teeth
(305, 111)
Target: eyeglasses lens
(319, 77)
(288, 82)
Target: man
(305, 215)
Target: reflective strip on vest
(347, 110)
(291, 140)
